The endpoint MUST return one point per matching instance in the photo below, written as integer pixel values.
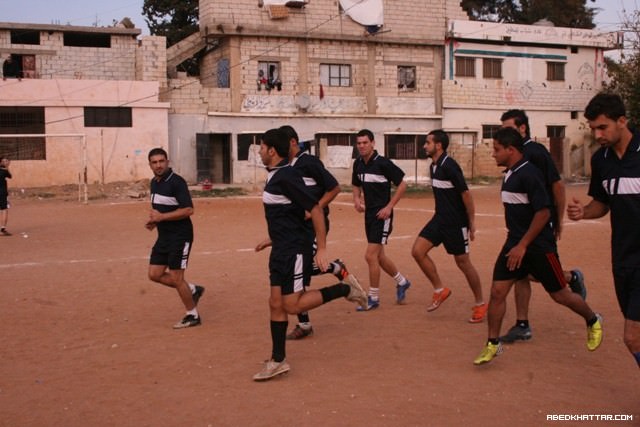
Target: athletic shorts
(454, 239)
(174, 255)
(4, 202)
(378, 230)
(627, 284)
(291, 272)
(544, 267)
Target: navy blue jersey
(285, 200)
(316, 177)
(167, 195)
(4, 174)
(375, 179)
(448, 185)
(523, 194)
(616, 183)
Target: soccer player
(530, 248)
(540, 157)
(371, 180)
(615, 188)
(286, 199)
(324, 187)
(452, 225)
(4, 195)
(171, 209)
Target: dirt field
(87, 338)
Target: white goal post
(83, 188)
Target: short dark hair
(608, 104)
(277, 138)
(290, 132)
(156, 152)
(519, 118)
(367, 133)
(441, 137)
(509, 137)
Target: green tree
(567, 13)
(625, 72)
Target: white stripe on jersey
(439, 183)
(370, 177)
(514, 198)
(625, 186)
(159, 199)
(275, 199)
(309, 182)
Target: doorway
(213, 157)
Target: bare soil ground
(87, 338)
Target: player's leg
(372, 257)
(479, 309)
(632, 338)
(627, 286)
(495, 315)
(4, 216)
(521, 331)
(277, 364)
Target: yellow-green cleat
(488, 353)
(594, 334)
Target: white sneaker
(272, 369)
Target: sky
(90, 12)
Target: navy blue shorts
(4, 202)
(292, 272)
(174, 255)
(377, 230)
(544, 267)
(627, 284)
(454, 239)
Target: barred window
(117, 117)
(489, 131)
(492, 68)
(335, 75)
(555, 71)
(465, 66)
(22, 120)
(405, 147)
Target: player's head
(440, 137)
(365, 143)
(278, 140)
(518, 120)
(365, 133)
(157, 152)
(290, 132)
(507, 147)
(607, 104)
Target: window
(465, 66)
(25, 120)
(25, 37)
(489, 131)
(87, 39)
(114, 117)
(405, 147)
(492, 68)
(223, 73)
(555, 131)
(245, 141)
(555, 71)
(344, 139)
(335, 75)
(269, 75)
(406, 78)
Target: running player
(371, 180)
(530, 248)
(4, 195)
(615, 187)
(452, 224)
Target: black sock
(494, 341)
(278, 339)
(591, 321)
(522, 323)
(333, 292)
(303, 317)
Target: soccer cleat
(439, 298)
(299, 333)
(187, 321)
(197, 294)
(488, 353)
(356, 293)
(478, 313)
(594, 334)
(5, 232)
(577, 283)
(401, 292)
(272, 369)
(343, 272)
(517, 333)
(370, 305)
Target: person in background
(4, 195)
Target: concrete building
(93, 91)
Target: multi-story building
(87, 97)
